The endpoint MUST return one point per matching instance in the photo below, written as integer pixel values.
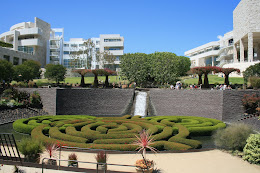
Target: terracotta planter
(139, 170)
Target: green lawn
(213, 79)
(88, 80)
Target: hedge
(118, 133)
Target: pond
(8, 128)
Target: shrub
(252, 149)
(233, 137)
(255, 82)
(101, 157)
(31, 149)
(35, 100)
(250, 103)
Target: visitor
(229, 87)
(224, 86)
(171, 87)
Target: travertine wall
(20, 55)
(246, 18)
(41, 52)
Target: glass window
(23, 60)
(111, 40)
(66, 52)
(81, 45)
(74, 45)
(7, 58)
(26, 49)
(97, 49)
(118, 58)
(66, 45)
(16, 61)
(97, 42)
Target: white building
(29, 42)
(112, 43)
(239, 48)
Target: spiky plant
(52, 149)
(144, 141)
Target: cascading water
(140, 104)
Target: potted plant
(31, 149)
(101, 158)
(72, 160)
(52, 149)
(144, 141)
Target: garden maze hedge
(110, 133)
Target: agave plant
(144, 141)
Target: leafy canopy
(154, 69)
(55, 72)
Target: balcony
(225, 62)
(30, 31)
(113, 44)
(54, 54)
(205, 54)
(117, 52)
(30, 42)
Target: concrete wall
(99, 102)
(223, 105)
(246, 18)
(202, 103)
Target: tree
(55, 72)
(82, 73)
(105, 58)
(156, 68)
(253, 70)
(198, 71)
(136, 67)
(97, 72)
(108, 72)
(29, 70)
(227, 71)
(6, 71)
(205, 70)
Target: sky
(147, 26)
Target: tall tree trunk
(226, 79)
(200, 79)
(206, 81)
(96, 81)
(82, 81)
(106, 82)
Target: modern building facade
(89, 49)
(239, 48)
(29, 41)
(38, 41)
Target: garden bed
(110, 133)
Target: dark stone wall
(48, 97)
(99, 102)
(232, 104)
(223, 105)
(203, 103)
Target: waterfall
(140, 104)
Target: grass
(88, 80)
(213, 79)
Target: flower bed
(168, 132)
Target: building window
(230, 42)
(97, 42)
(16, 61)
(112, 48)
(26, 49)
(66, 45)
(216, 48)
(112, 40)
(73, 45)
(118, 58)
(66, 52)
(97, 49)
(7, 58)
(97, 66)
(23, 60)
(81, 45)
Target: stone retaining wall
(98, 102)
(223, 105)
